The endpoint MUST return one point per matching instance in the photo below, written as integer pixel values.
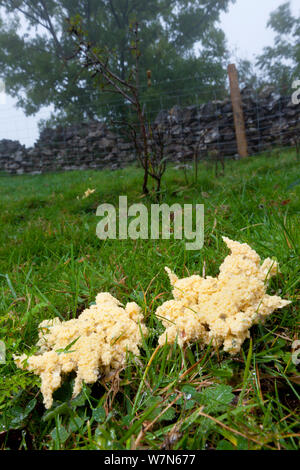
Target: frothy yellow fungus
(221, 310)
(92, 345)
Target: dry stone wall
(271, 120)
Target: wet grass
(52, 264)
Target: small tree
(158, 138)
(99, 62)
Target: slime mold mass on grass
(94, 344)
(221, 310)
(217, 310)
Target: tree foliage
(281, 62)
(35, 46)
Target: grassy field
(52, 264)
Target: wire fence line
(196, 95)
(190, 124)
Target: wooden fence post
(238, 114)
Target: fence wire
(191, 126)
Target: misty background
(247, 34)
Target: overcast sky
(245, 25)
(247, 34)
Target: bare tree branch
(51, 28)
